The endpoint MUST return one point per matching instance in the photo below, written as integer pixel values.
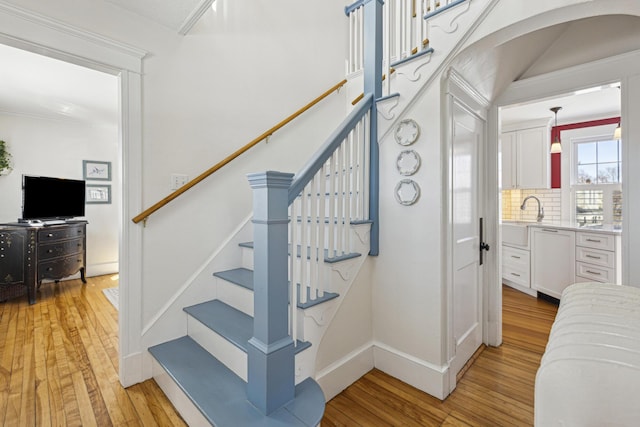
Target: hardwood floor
(59, 366)
(496, 390)
(59, 363)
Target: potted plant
(5, 159)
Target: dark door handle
(483, 245)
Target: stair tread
(234, 325)
(327, 258)
(220, 395)
(240, 276)
(245, 279)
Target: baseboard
(345, 371)
(423, 375)
(131, 371)
(102, 269)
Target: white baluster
(361, 39)
(293, 276)
(332, 204)
(348, 191)
(321, 228)
(366, 169)
(313, 241)
(340, 197)
(303, 244)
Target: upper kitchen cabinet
(525, 156)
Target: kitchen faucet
(540, 208)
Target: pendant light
(556, 147)
(617, 134)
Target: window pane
(589, 206)
(586, 153)
(607, 151)
(607, 173)
(586, 174)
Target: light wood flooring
(496, 390)
(59, 363)
(59, 367)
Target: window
(597, 178)
(598, 162)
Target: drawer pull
(50, 269)
(594, 241)
(594, 272)
(591, 256)
(549, 231)
(516, 257)
(515, 274)
(49, 235)
(50, 251)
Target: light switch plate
(178, 180)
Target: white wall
(56, 148)
(241, 70)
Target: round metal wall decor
(407, 132)
(408, 162)
(407, 192)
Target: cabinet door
(553, 260)
(12, 250)
(508, 160)
(533, 158)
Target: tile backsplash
(551, 200)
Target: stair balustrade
(405, 31)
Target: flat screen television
(47, 198)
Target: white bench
(590, 372)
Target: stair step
(244, 277)
(327, 258)
(235, 326)
(220, 395)
(240, 276)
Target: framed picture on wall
(98, 194)
(96, 170)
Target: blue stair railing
(338, 186)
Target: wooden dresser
(29, 255)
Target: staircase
(248, 357)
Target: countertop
(568, 225)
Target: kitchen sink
(515, 233)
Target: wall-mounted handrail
(146, 213)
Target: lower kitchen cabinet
(553, 260)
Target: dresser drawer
(596, 241)
(53, 234)
(60, 267)
(57, 249)
(514, 257)
(596, 273)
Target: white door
(468, 131)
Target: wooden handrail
(145, 214)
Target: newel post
(271, 381)
(373, 84)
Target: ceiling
(179, 15)
(73, 92)
(39, 86)
(602, 102)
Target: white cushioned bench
(590, 372)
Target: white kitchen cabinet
(598, 258)
(525, 158)
(516, 268)
(553, 260)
